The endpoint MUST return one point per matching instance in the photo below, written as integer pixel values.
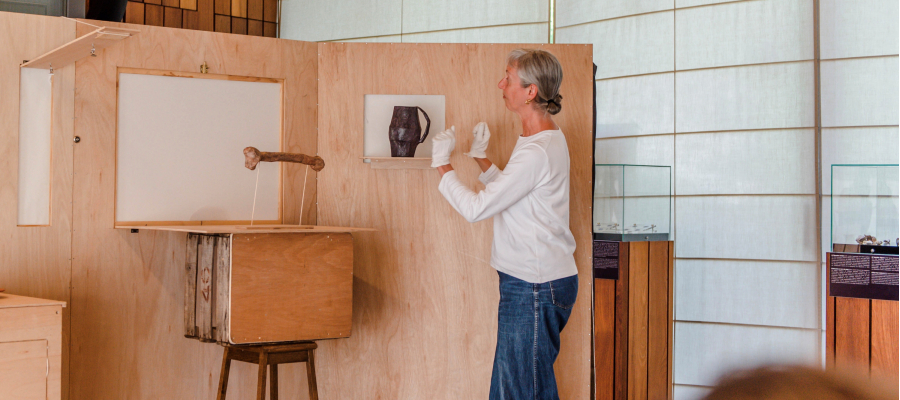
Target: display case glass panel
(632, 202)
(864, 208)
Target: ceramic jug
(405, 130)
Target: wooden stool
(265, 355)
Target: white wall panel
(682, 392)
(704, 352)
(748, 32)
(747, 292)
(627, 46)
(639, 105)
(746, 227)
(860, 92)
(747, 162)
(571, 12)
(858, 28)
(750, 97)
(864, 145)
(434, 15)
(526, 33)
(374, 39)
(329, 20)
(694, 3)
(641, 150)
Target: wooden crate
(633, 326)
(268, 287)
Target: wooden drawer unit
(268, 287)
(30, 348)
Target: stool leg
(273, 381)
(223, 375)
(311, 375)
(261, 383)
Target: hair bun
(554, 105)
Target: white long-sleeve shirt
(529, 201)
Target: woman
(533, 247)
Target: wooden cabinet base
(30, 348)
(863, 334)
(633, 324)
(268, 287)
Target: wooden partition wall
(36, 261)
(127, 299)
(424, 295)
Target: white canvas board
(180, 149)
(35, 112)
(379, 108)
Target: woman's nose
(500, 84)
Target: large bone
(253, 156)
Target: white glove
(441, 147)
(480, 137)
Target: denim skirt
(530, 318)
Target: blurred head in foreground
(799, 383)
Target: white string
(304, 194)
(253, 212)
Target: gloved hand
(480, 138)
(441, 147)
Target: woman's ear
(532, 91)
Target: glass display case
(632, 202)
(864, 208)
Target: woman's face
(513, 93)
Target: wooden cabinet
(268, 287)
(267, 283)
(633, 324)
(30, 348)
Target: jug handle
(427, 125)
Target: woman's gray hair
(541, 69)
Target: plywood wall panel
(36, 261)
(425, 299)
(129, 296)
